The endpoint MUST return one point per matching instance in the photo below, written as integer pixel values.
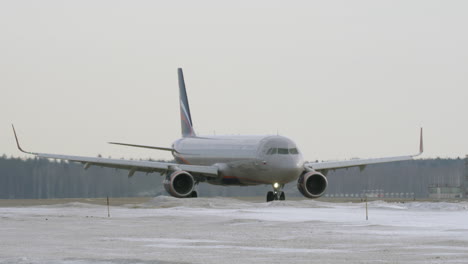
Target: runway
(224, 230)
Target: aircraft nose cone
(292, 163)
(288, 169)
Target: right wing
(361, 163)
(131, 165)
(333, 165)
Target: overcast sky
(343, 79)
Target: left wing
(131, 165)
(361, 163)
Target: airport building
(445, 192)
(437, 191)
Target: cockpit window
(293, 151)
(282, 151)
(272, 151)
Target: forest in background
(41, 178)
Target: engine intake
(179, 184)
(312, 184)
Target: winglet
(17, 141)
(421, 145)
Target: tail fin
(186, 118)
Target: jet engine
(312, 184)
(180, 184)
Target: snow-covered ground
(223, 230)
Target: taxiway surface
(224, 230)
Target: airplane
(229, 160)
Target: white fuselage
(243, 160)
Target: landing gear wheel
(270, 196)
(282, 197)
(194, 194)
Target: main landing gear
(276, 194)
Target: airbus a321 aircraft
(229, 160)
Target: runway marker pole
(367, 212)
(108, 211)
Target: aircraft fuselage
(243, 160)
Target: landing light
(275, 185)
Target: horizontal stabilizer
(142, 146)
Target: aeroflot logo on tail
(185, 116)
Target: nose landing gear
(276, 194)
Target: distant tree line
(41, 178)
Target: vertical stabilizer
(185, 117)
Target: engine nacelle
(312, 184)
(179, 184)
